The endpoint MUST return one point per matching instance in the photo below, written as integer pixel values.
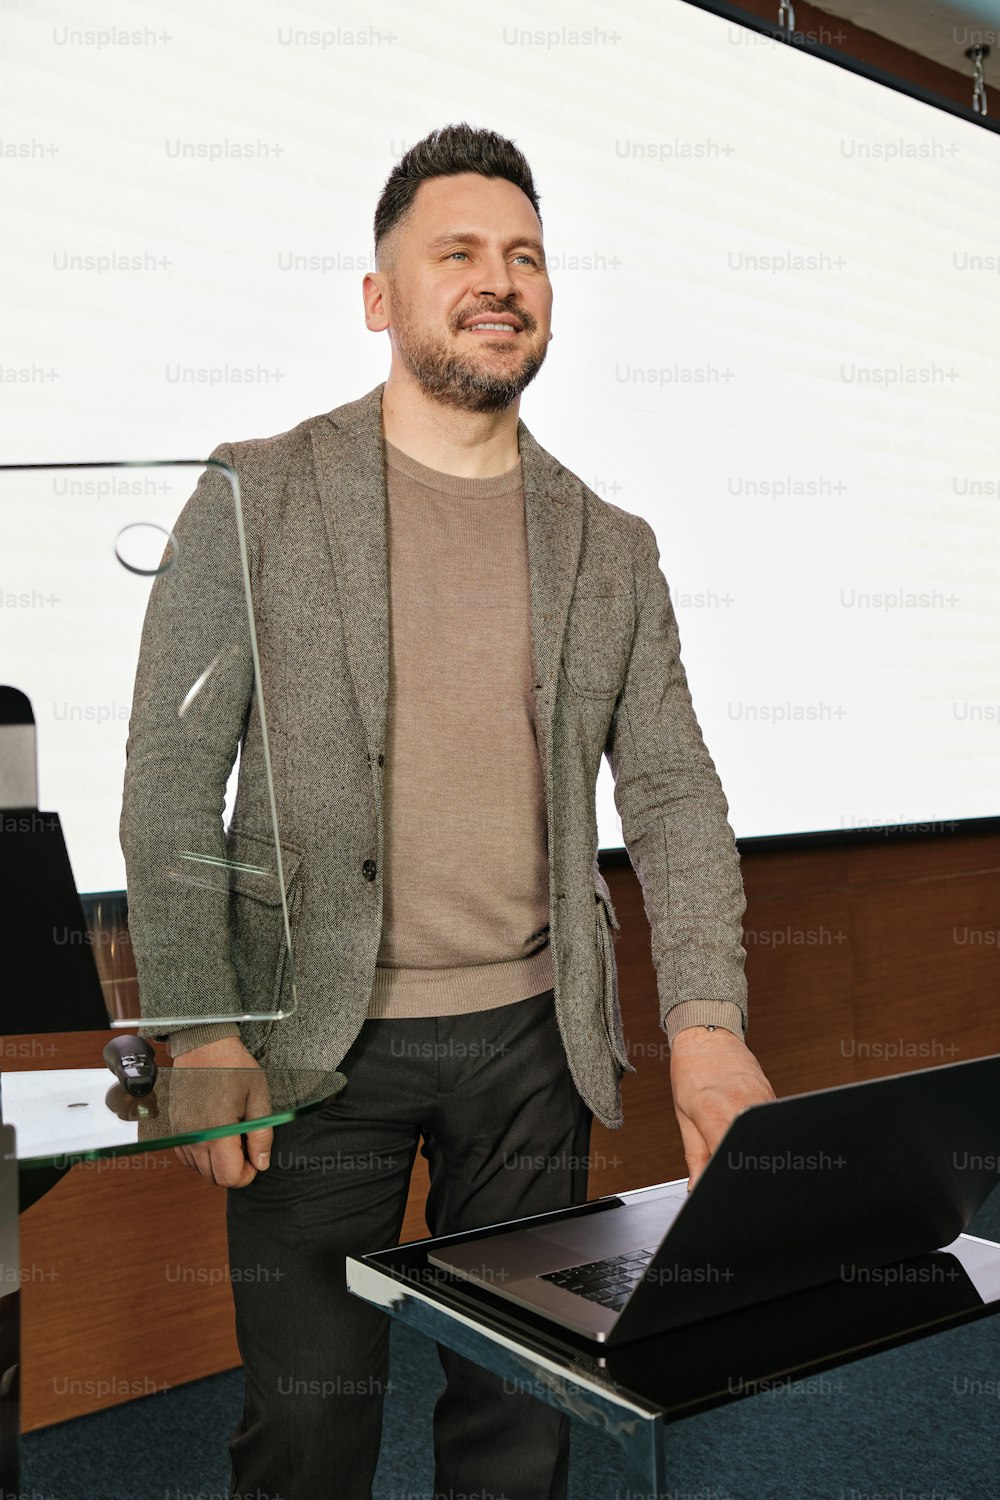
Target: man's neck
(472, 445)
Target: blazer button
(368, 869)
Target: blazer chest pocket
(258, 945)
(598, 637)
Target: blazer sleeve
(675, 819)
(193, 692)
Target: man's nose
(495, 279)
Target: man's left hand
(713, 1075)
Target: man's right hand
(231, 1160)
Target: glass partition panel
(131, 685)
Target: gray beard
(447, 380)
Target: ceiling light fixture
(977, 54)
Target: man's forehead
(452, 203)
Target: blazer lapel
(553, 504)
(349, 455)
(350, 470)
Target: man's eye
(522, 255)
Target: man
(452, 630)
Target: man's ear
(375, 292)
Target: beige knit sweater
(465, 922)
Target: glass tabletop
(63, 1115)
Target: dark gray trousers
(505, 1134)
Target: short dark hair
(446, 153)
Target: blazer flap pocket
(603, 894)
(253, 866)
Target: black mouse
(133, 1062)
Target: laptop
(835, 1185)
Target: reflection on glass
(127, 624)
(144, 548)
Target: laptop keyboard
(610, 1282)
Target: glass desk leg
(638, 1430)
(645, 1466)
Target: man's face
(470, 252)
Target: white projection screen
(776, 296)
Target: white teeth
(504, 327)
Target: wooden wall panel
(923, 994)
(126, 1291)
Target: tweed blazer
(608, 680)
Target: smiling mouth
(492, 330)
